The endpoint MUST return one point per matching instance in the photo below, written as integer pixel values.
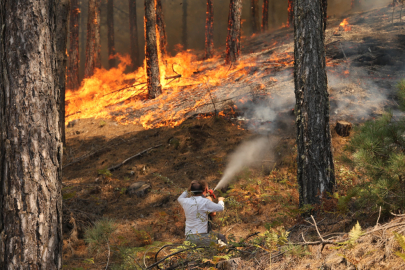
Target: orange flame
(345, 25)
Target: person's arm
(215, 207)
(182, 196)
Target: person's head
(198, 188)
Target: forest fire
(345, 25)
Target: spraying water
(245, 155)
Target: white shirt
(197, 209)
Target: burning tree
(110, 26)
(234, 31)
(314, 161)
(133, 34)
(254, 15)
(209, 30)
(151, 50)
(73, 81)
(30, 139)
(93, 38)
(265, 15)
(161, 29)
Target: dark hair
(198, 188)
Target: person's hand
(221, 199)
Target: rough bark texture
(110, 34)
(184, 19)
(314, 160)
(133, 34)
(209, 30)
(93, 38)
(254, 16)
(265, 15)
(30, 139)
(62, 14)
(161, 29)
(343, 128)
(73, 82)
(151, 50)
(325, 13)
(82, 34)
(234, 31)
(290, 16)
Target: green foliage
(104, 172)
(401, 241)
(98, 236)
(67, 196)
(377, 150)
(355, 233)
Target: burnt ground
(364, 65)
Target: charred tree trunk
(184, 19)
(265, 15)
(110, 26)
(151, 50)
(133, 34)
(254, 16)
(93, 38)
(30, 139)
(73, 81)
(161, 29)
(325, 13)
(234, 31)
(209, 30)
(62, 14)
(314, 160)
(290, 13)
(82, 42)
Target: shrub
(98, 236)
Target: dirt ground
(371, 53)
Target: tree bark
(325, 13)
(234, 31)
(93, 38)
(254, 16)
(73, 82)
(209, 30)
(151, 51)
(161, 29)
(314, 160)
(290, 13)
(133, 34)
(110, 34)
(265, 15)
(31, 63)
(82, 34)
(184, 19)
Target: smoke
(247, 154)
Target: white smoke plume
(247, 154)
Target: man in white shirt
(196, 208)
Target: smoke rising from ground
(247, 154)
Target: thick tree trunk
(290, 15)
(110, 34)
(325, 13)
(234, 31)
(93, 38)
(254, 16)
(314, 160)
(73, 82)
(161, 29)
(209, 30)
(133, 34)
(184, 19)
(30, 140)
(151, 50)
(265, 15)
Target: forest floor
(365, 62)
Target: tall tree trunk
(265, 15)
(93, 38)
(161, 29)
(151, 50)
(73, 82)
(273, 13)
(290, 10)
(133, 34)
(254, 16)
(325, 13)
(355, 3)
(315, 161)
(31, 64)
(110, 26)
(184, 19)
(209, 30)
(234, 31)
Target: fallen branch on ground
(134, 156)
